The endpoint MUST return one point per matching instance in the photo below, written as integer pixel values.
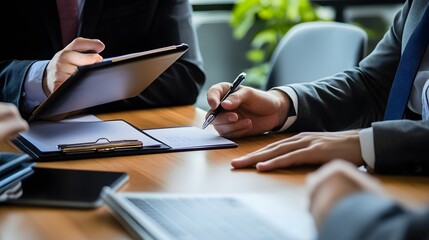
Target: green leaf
(264, 37)
(270, 20)
(255, 55)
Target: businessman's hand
(247, 111)
(336, 181)
(81, 51)
(10, 121)
(305, 148)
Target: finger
(216, 92)
(361, 179)
(77, 58)
(234, 100)
(267, 153)
(225, 118)
(85, 45)
(8, 110)
(11, 127)
(284, 142)
(348, 171)
(294, 158)
(235, 129)
(326, 170)
(236, 134)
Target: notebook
(175, 216)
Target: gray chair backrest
(313, 50)
(224, 57)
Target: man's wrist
(282, 106)
(292, 108)
(33, 93)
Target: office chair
(312, 50)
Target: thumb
(86, 45)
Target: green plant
(268, 21)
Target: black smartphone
(67, 188)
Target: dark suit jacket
(357, 98)
(366, 216)
(31, 31)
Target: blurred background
(236, 36)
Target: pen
(240, 78)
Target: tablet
(67, 188)
(113, 79)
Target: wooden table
(181, 172)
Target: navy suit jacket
(31, 31)
(357, 98)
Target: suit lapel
(48, 8)
(91, 15)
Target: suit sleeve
(354, 98)
(372, 217)
(401, 147)
(12, 75)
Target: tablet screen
(67, 188)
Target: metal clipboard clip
(101, 145)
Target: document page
(188, 138)
(46, 136)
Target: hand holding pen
(240, 78)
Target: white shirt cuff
(33, 89)
(292, 95)
(366, 138)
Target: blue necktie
(407, 70)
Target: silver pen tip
(209, 120)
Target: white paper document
(188, 137)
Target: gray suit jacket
(357, 99)
(372, 217)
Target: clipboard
(57, 141)
(111, 80)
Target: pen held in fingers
(240, 78)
